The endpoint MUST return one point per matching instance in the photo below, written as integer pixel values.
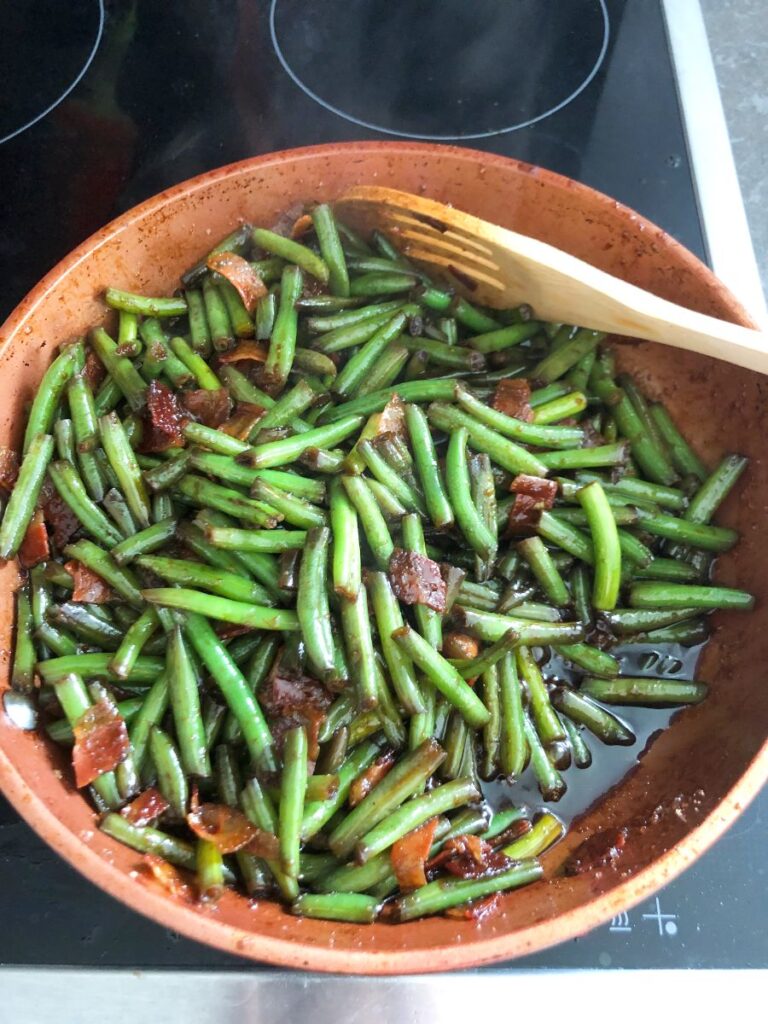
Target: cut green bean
(605, 725)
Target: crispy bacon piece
(416, 579)
(409, 856)
(598, 852)
(35, 547)
(60, 517)
(460, 645)
(372, 775)
(146, 808)
(252, 351)
(290, 699)
(93, 371)
(241, 276)
(541, 490)
(89, 587)
(475, 910)
(512, 397)
(392, 417)
(9, 468)
(469, 857)
(155, 869)
(208, 407)
(301, 226)
(229, 830)
(101, 742)
(164, 419)
(245, 418)
(524, 517)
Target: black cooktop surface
(105, 103)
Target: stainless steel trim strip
(724, 219)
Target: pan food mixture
(314, 550)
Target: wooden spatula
(500, 268)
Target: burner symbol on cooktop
(45, 50)
(441, 69)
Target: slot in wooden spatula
(499, 268)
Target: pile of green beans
(239, 555)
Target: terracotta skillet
(688, 786)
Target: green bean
(562, 359)
(504, 452)
(362, 329)
(605, 725)
(279, 453)
(266, 311)
(101, 562)
(23, 499)
(50, 391)
(234, 688)
(318, 813)
(24, 658)
(668, 569)
(293, 510)
(133, 642)
(150, 713)
(683, 595)
(238, 612)
(312, 607)
(262, 541)
(641, 490)
(107, 397)
(143, 305)
(561, 408)
(489, 627)
(85, 625)
(443, 676)
(598, 662)
(145, 839)
(405, 778)
(582, 755)
(651, 459)
(282, 345)
(207, 494)
(502, 338)
(71, 490)
(195, 363)
(413, 814)
(359, 366)
(120, 369)
(239, 317)
(293, 252)
(605, 542)
(436, 501)
(546, 831)
(347, 559)
(684, 459)
(409, 391)
(258, 808)
(262, 567)
(198, 323)
(331, 249)
(372, 521)
(125, 466)
(217, 315)
(445, 893)
(292, 792)
(567, 537)
(549, 780)
(171, 779)
(209, 868)
(158, 358)
(287, 408)
(470, 668)
(467, 315)
(544, 569)
(351, 317)
(358, 639)
(388, 620)
(471, 524)
(548, 725)
(145, 541)
(64, 435)
(518, 430)
(643, 691)
(715, 489)
(428, 621)
(354, 907)
(83, 413)
(698, 535)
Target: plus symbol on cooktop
(667, 922)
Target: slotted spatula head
(485, 263)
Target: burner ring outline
(427, 137)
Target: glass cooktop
(108, 102)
